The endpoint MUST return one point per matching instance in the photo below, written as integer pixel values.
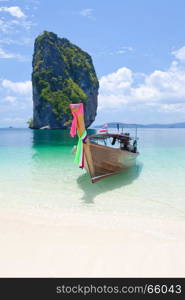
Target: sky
(137, 47)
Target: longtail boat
(98, 153)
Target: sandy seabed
(41, 243)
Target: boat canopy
(124, 136)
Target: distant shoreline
(99, 126)
(125, 125)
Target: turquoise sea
(37, 171)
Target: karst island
(62, 74)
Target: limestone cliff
(62, 74)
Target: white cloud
(122, 50)
(14, 11)
(22, 88)
(162, 89)
(7, 55)
(15, 102)
(87, 12)
(4, 54)
(5, 26)
(26, 24)
(119, 80)
(168, 108)
(179, 54)
(14, 26)
(9, 99)
(12, 41)
(19, 21)
(111, 101)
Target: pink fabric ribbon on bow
(75, 114)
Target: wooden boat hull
(103, 161)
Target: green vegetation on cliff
(62, 74)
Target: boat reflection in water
(90, 192)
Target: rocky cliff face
(62, 74)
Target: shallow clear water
(37, 170)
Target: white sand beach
(41, 243)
